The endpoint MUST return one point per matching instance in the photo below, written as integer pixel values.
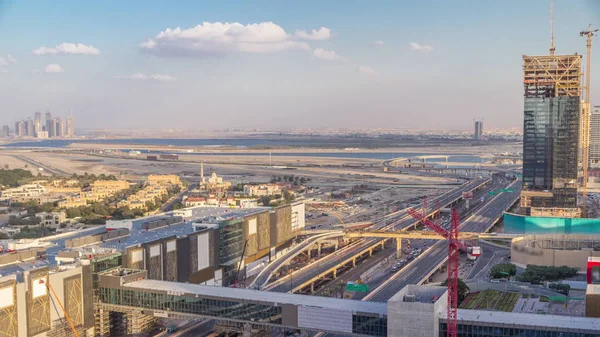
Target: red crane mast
(453, 249)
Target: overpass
(263, 277)
(421, 268)
(127, 291)
(347, 257)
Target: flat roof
(512, 318)
(138, 236)
(237, 294)
(21, 267)
(592, 289)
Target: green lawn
(490, 299)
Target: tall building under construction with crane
(551, 134)
(552, 94)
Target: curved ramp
(263, 277)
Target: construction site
(556, 132)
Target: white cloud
(144, 77)
(366, 70)
(326, 55)
(377, 43)
(217, 39)
(420, 48)
(53, 68)
(5, 62)
(323, 33)
(67, 48)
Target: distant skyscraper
(595, 136)
(478, 134)
(37, 122)
(70, 129)
(30, 128)
(49, 124)
(51, 127)
(5, 131)
(20, 129)
(552, 87)
(60, 127)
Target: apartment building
(51, 219)
(262, 189)
(24, 192)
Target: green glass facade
(550, 148)
(231, 241)
(516, 223)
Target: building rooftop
(236, 294)
(510, 318)
(206, 214)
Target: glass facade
(199, 306)
(467, 330)
(224, 309)
(369, 325)
(550, 148)
(231, 241)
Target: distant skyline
(431, 64)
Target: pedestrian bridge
(123, 290)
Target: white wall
(203, 254)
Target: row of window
(465, 330)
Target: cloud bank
(326, 55)
(67, 49)
(413, 46)
(144, 77)
(53, 68)
(212, 39)
(366, 70)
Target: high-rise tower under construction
(552, 91)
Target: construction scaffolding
(552, 129)
(551, 76)
(8, 309)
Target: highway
(431, 259)
(263, 277)
(400, 220)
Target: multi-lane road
(480, 221)
(399, 220)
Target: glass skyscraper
(551, 134)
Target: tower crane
(454, 245)
(585, 118)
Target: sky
(427, 64)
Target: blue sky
(397, 64)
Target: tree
(503, 270)
(14, 178)
(73, 213)
(287, 196)
(265, 200)
(463, 289)
(150, 205)
(538, 274)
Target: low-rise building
(72, 202)
(194, 201)
(24, 192)
(262, 189)
(162, 179)
(51, 219)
